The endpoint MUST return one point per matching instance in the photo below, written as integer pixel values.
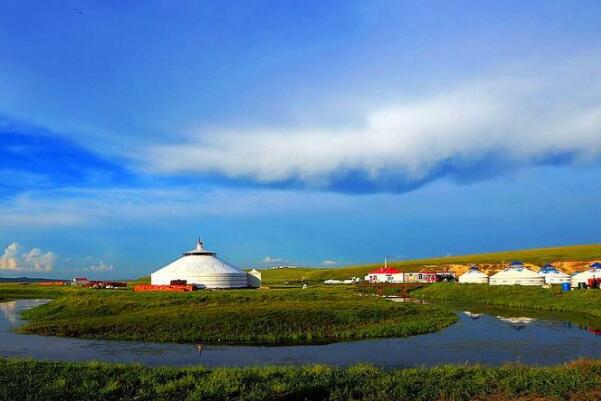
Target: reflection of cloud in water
(9, 310)
(517, 322)
(473, 315)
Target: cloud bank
(33, 260)
(476, 130)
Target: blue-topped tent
(516, 274)
(593, 272)
(473, 276)
(552, 275)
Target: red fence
(164, 288)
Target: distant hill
(567, 258)
(26, 279)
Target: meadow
(257, 317)
(22, 380)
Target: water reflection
(473, 315)
(517, 323)
(478, 337)
(9, 310)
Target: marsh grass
(578, 302)
(273, 317)
(22, 380)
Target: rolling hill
(567, 258)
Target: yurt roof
(474, 271)
(549, 269)
(199, 262)
(516, 272)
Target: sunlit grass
(22, 380)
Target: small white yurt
(201, 268)
(553, 276)
(473, 276)
(593, 272)
(516, 274)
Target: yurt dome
(553, 276)
(593, 272)
(202, 268)
(473, 276)
(516, 274)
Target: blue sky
(322, 133)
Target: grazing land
(22, 380)
(536, 257)
(582, 302)
(258, 317)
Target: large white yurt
(202, 268)
(593, 272)
(516, 274)
(553, 276)
(473, 276)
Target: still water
(476, 338)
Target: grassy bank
(48, 381)
(586, 302)
(266, 317)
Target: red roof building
(385, 275)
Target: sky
(294, 132)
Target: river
(476, 338)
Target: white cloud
(100, 267)
(271, 259)
(34, 260)
(329, 262)
(518, 121)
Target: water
(476, 338)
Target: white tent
(553, 276)
(202, 268)
(473, 276)
(594, 271)
(516, 274)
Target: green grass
(535, 256)
(581, 302)
(265, 317)
(26, 380)
(10, 291)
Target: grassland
(582, 302)
(258, 317)
(23, 380)
(538, 257)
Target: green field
(581, 302)
(25, 380)
(535, 256)
(265, 317)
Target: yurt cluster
(517, 274)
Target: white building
(205, 270)
(516, 274)
(553, 276)
(594, 272)
(385, 275)
(473, 276)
